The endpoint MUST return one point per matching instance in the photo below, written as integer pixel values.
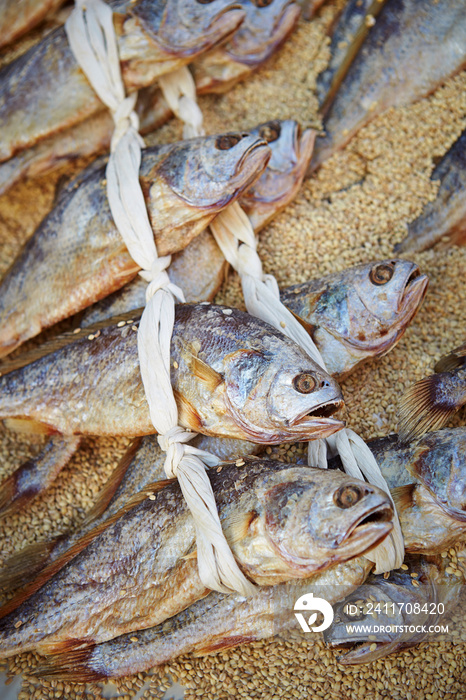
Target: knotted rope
(92, 39)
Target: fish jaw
(185, 28)
(279, 184)
(264, 30)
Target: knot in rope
(125, 118)
(171, 442)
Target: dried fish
(154, 37)
(412, 48)
(85, 255)
(282, 522)
(446, 215)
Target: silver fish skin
(410, 598)
(360, 312)
(412, 48)
(282, 522)
(265, 28)
(154, 37)
(185, 185)
(233, 376)
(427, 479)
(347, 35)
(446, 215)
(19, 16)
(215, 623)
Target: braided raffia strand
(92, 40)
(235, 237)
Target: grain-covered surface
(354, 210)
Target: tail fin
(74, 665)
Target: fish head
(371, 621)
(383, 298)
(318, 517)
(439, 464)
(277, 393)
(188, 183)
(266, 26)
(212, 170)
(188, 27)
(359, 312)
(280, 181)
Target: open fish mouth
(373, 526)
(320, 418)
(414, 293)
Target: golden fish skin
(282, 522)
(154, 38)
(446, 215)
(427, 479)
(78, 256)
(89, 137)
(412, 48)
(360, 312)
(215, 623)
(233, 376)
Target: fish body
(185, 185)
(394, 613)
(17, 18)
(358, 313)
(246, 380)
(412, 48)
(431, 402)
(215, 623)
(264, 29)
(153, 38)
(446, 215)
(282, 522)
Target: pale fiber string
(236, 238)
(92, 39)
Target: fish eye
(270, 132)
(262, 3)
(304, 383)
(347, 496)
(381, 274)
(224, 143)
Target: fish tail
(22, 566)
(425, 407)
(35, 475)
(76, 665)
